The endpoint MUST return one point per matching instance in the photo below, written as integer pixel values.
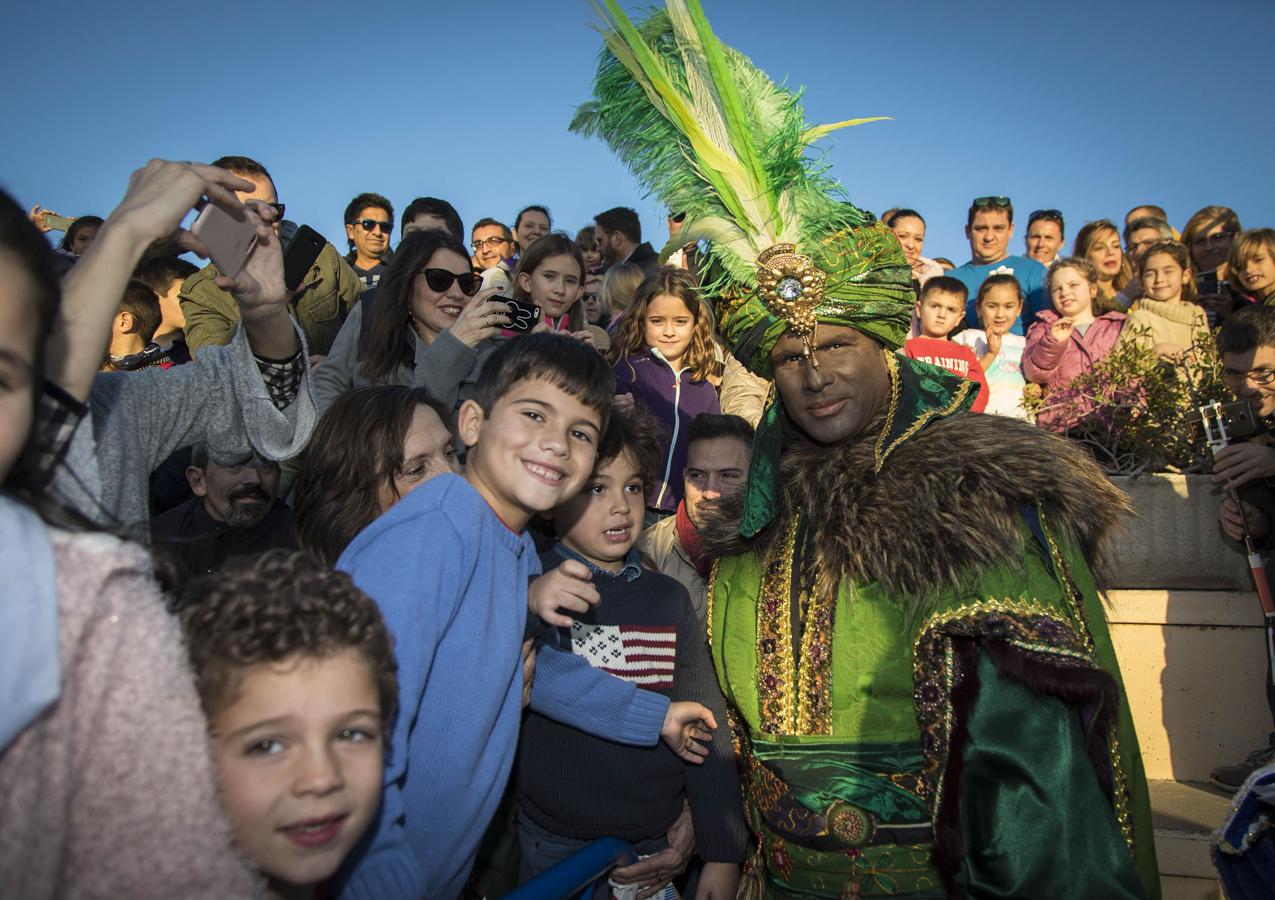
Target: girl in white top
(1000, 300)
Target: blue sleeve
(417, 593)
(1036, 299)
(569, 690)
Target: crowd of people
(412, 570)
(228, 423)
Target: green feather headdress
(714, 138)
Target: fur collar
(944, 504)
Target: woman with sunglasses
(419, 329)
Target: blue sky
(1090, 107)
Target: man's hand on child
(652, 874)
(528, 669)
(688, 727)
(568, 588)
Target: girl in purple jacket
(666, 359)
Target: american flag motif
(642, 654)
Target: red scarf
(691, 542)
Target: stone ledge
(1174, 606)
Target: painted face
(1106, 254)
(531, 227)
(432, 311)
(1140, 241)
(603, 521)
(1162, 277)
(1258, 272)
(999, 308)
(715, 468)
(989, 235)
(241, 496)
(371, 244)
(427, 451)
(299, 759)
(1072, 293)
(837, 400)
(668, 328)
(554, 285)
(1210, 247)
(490, 245)
(1044, 237)
(533, 451)
(911, 234)
(939, 312)
(1239, 371)
(17, 358)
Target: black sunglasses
(993, 202)
(1050, 215)
(369, 224)
(440, 280)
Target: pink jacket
(111, 791)
(1053, 363)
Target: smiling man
(989, 225)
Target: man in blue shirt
(989, 227)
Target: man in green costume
(926, 700)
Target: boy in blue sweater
(449, 565)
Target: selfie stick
(1216, 435)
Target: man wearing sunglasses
(319, 306)
(989, 226)
(369, 220)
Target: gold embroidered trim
(775, 679)
(814, 700)
(708, 600)
(892, 368)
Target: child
(134, 325)
(619, 284)
(1252, 264)
(587, 241)
(1165, 320)
(666, 359)
(998, 349)
(644, 631)
(165, 275)
(939, 310)
(296, 676)
(449, 566)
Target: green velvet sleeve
(1034, 818)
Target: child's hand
(568, 587)
(718, 881)
(994, 342)
(688, 727)
(1061, 330)
(528, 669)
(623, 403)
(585, 336)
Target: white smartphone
(228, 237)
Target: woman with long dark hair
(419, 328)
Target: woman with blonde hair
(619, 285)
(1099, 243)
(1208, 235)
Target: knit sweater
(110, 793)
(643, 631)
(451, 581)
(1154, 322)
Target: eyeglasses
(992, 202)
(440, 280)
(1259, 377)
(587, 297)
(492, 242)
(1213, 240)
(370, 224)
(1049, 215)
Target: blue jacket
(674, 400)
(451, 581)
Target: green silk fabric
(1028, 785)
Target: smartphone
(229, 238)
(54, 222)
(522, 316)
(304, 249)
